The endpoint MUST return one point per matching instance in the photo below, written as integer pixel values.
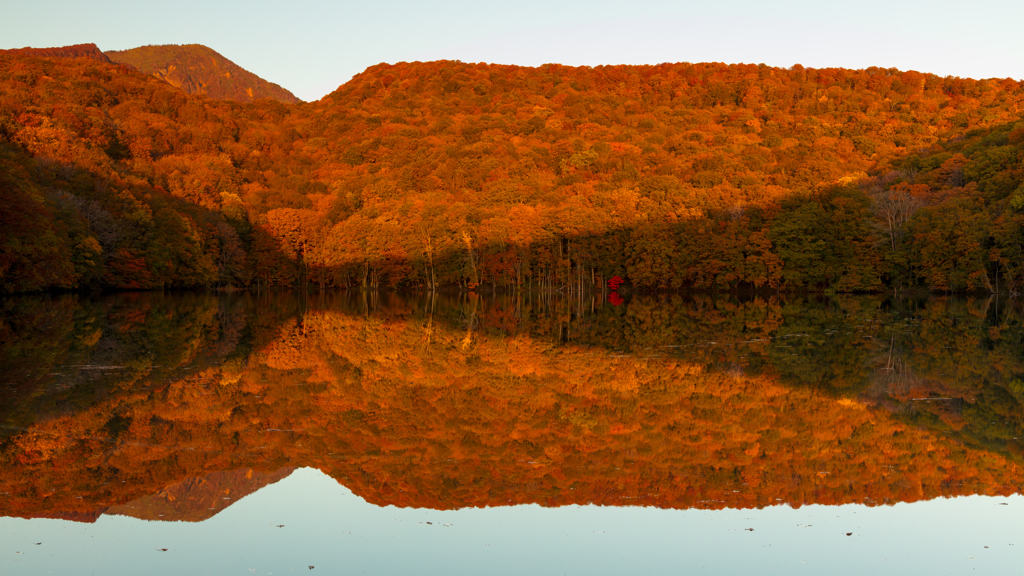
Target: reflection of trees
(950, 365)
(674, 402)
(894, 385)
(64, 352)
(826, 344)
(36, 333)
(892, 376)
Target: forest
(462, 400)
(478, 177)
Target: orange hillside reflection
(159, 406)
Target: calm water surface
(390, 434)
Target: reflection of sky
(326, 526)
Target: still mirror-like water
(355, 433)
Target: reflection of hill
(190, 500)
(490, 403)
(196, 499)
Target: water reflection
(157, 405)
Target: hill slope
(673, 176)
(197, 69)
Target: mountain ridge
(74, 51)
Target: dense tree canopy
(673, 176)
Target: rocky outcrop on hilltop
(197, 69)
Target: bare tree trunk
(472, 261)
(429, 249)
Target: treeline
(440, 174)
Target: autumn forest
(478, 177)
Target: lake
(383, 433)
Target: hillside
(197, 69)
(444, 174)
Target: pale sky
(312, 46)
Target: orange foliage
(673, 176)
